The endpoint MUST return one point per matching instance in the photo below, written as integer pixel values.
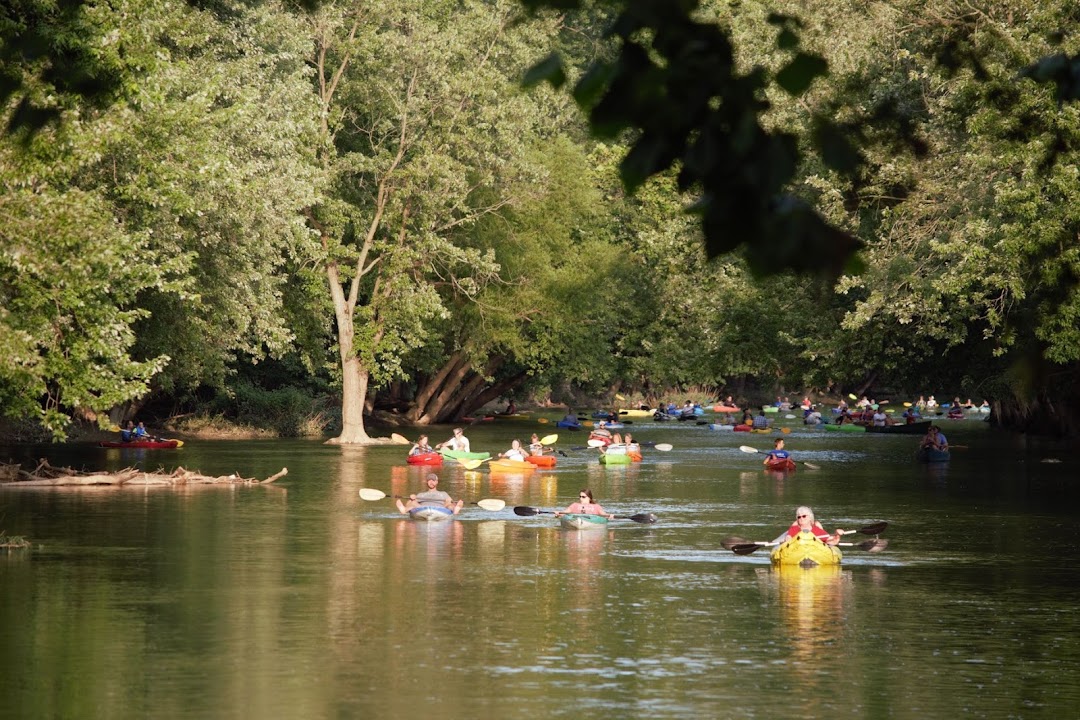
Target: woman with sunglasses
(805, 522)
(585, 506)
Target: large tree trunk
(354, 393)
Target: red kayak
(780, 465)
(542, 460)
(743, 428)
(431, 458)
(151, 444)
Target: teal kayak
(580, 521)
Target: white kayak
(431, 513)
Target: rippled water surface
(299, 600)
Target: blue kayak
(568, 425)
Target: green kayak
(846, 427)
(462, 455)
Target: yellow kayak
(806, 550)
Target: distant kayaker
(535, 446)
(805, 522)
(420, 447)
(879, 418)
(760, 421)
(935, 439)
(633, 449)
(601, 433)
(585, 506)
(458, 442)
(511, 409)
(570, 417)
(128, 433)
(813, 417)
(139, 433)
(432, 497)
(910, 415)
(777, 453)
(516, 452)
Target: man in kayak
(457, 442)
(760, 421)
(777, 453)
(433, 496)
(805, 522)
(128, 433)
(601, 433)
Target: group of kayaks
(497, 464)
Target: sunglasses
(583, 497)
(800, 517)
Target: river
(300, 600)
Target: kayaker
(139, 433)
(760, 421)
(433, 496)
(535, 446)
(935, 439)
(516, 452)
(420, 447)
(601, 433)
(777, 453)
(585, 506)
(879, 418)
(458, 442)
(910, 415)
(805, 522)
(128, 433)
(570, 418)
(511, 409)
(633, 448)
(813, 417)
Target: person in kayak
(777, 453)
(935, 439)
(585, 506)
(128, 433)
(805, 522)
(516, 452)
(457, 442)
(760, 421)
(433, 496)
(601, 433)
(571, 418)
(535, 446)
(420, 447)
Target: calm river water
(299, 600)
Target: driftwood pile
(45, 475)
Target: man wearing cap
(433, 496)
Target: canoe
(637, 413)
(431, 513)
(930, 455)
(577, 521)
(915, 428)
(612, 459)
(807, 551)
(541, 460)
(846, 427)
(506, 465)
(566, 424)
(431, 458)
(781, 465)
(462, 455)
(142, 444)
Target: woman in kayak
(535, 446)
(585, 506)
(805, 522)
(516, 452)
(420, 447)
(457, 442)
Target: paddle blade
(647, 518)
(747, 449)
(114, 428)
(549, 439)
(470, 464)
(542, 421)
(596, 443)
(619, 397)
(371, 494)
(399, 439)
(491, 504)
(812, 466)
(851, 396)
(729, 543)
(179, 443)
(746, 548)
(663, 447)
(587, 423)
(874, 528)
(525, 510)
(875, 545)
(785, 430)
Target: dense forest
(323, 212)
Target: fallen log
(45, 475)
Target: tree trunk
(354, 384)
(422, 410)
(452, 380)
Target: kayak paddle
(526, 511)
(487, 504)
